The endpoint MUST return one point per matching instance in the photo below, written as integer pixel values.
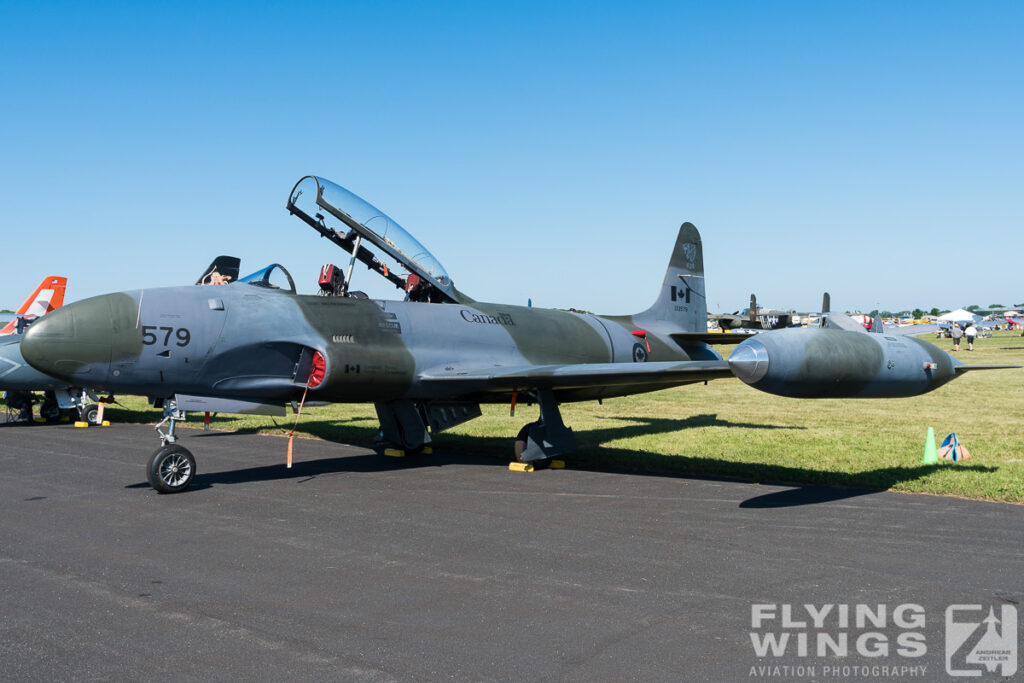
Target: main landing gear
(403, 430)
(405, 426)
(90, 413)
(538, 442)
(82, 407)
(171, 468)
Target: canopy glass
(370, 223)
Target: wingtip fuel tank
(833, 363)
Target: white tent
(958, 316)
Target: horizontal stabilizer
(838, 321)
(684, 338)
(912, 330)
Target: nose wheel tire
(171, 469)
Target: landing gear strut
(82, 406)
(171, 468)
(402, 427)
(49, 410)
(548, 436)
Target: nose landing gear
(171, 468)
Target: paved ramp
(355, 567)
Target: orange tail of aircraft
(48, 296)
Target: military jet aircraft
(428, 361)
(755, 318)
(21, 380)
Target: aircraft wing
(579, 375)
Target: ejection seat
(332, 281)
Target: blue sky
(540, 150)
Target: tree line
(935, 312)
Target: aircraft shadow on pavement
(14, 424)
(850, 485)
(304, 470)
(642, 426)
(451, 449)
(811, 486)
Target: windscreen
(273, 276)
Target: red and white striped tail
(49, 295)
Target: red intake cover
(317, 372)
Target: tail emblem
(690, 254)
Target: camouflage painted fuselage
(245, 341)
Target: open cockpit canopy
(371, 236)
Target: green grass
(727, 428)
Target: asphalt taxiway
(353, 566)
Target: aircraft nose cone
(749, 361)
(72, 342)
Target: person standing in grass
(971, 333)
(955, 332)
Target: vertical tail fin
(681, 306)
(48, 296)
